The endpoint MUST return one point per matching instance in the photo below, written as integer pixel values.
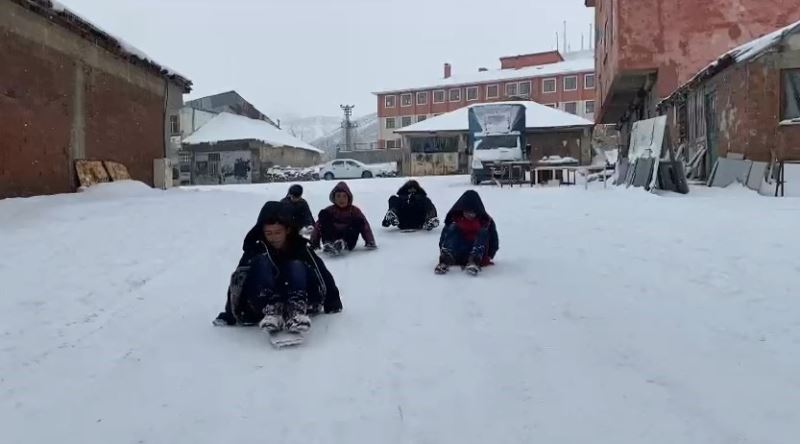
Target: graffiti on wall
(225, 167)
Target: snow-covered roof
(537, 116)
(569, 66)
(226, 126)
(744, 53)
(60, 14)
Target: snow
(226, 126)
(583, 64)
(536, 116)
(125, 46)
(612, 316)
(556, 160)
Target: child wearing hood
(411, 209)
(300, 210)
(469, 237)
(279, 280)
(339, 225)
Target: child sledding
(340, 225)
(279, 281)
(411, 209)
(469, 237)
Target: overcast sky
(305, 57)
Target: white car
(345, 169)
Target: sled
(284, 339)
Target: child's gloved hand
(307, 231)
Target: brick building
(560, 81)
(645, 49)
(69, 91)
(746, 103)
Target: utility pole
(348, 125)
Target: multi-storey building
(563, 81)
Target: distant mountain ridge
(365, 134)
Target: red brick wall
(678, 37)
(124, 123)
(35, 103)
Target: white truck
(496, 134)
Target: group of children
(280, 280)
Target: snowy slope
(612, 316)
(310, 129)
(365, 133)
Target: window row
(391, 122)
(471, 93)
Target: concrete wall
(676, 37)
(63, 98)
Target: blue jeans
(459, 250)
(266, 285)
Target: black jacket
(322, 288)
(471, 201)
(300, 211)
(412, 208)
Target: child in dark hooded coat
(411, 209)
(339, 225)
(469, 237)
(300, 210)
(279, 280)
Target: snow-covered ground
(612, 316)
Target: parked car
(346, 169)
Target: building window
(791, 94)
(549, 85)
(511, 89)
(570, 83)
(174, 125)
(588, 81)
(422, 98)
(571, 107)
(455, 95)
(472, 93)
(438, 96)
(421, 118)
(492, 92)
(405, 100)
(390, 123)
(590, 107)
(389, 101)
(525, 89)
(406, 121)
(392, 144)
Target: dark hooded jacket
(301, 213)
(343, 218)
(322, 287)
(471, 201)
(413, 208)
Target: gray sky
(305, 57)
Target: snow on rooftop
(227, 126)
(571, 65)
(126, 47)
(536, 116)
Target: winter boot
(445, 261)
(297, 319)
(273, 318)
(390, 220)
(431, 224)
(225, 319)
(472, 267)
